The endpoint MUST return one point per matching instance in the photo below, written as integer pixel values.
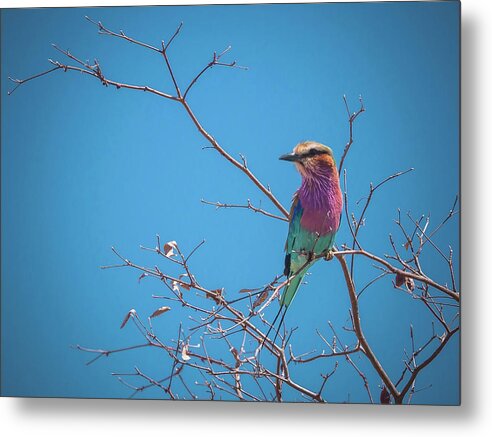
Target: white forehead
(311, 145)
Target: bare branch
(215, 61)
(351, 119)
(249, 205)
(358, 329)
(19, 82)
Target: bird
(314, 217)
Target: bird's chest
(321, 220)
(321, 201)
(321, 209)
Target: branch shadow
(469, 238)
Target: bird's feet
(328, 255)
(310, 255)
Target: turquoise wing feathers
(291, 256)
(300, 242)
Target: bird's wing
(294, 230)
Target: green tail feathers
(291, 288)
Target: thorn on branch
(243, 159)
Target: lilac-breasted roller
(314, 216)
(315, 213)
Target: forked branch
(96, 72)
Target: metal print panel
(154, 246)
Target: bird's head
(311, 159)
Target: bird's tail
(285, 300)
(292, 287)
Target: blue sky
(85, 168)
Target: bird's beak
(292, 157)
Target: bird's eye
(314, 152)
